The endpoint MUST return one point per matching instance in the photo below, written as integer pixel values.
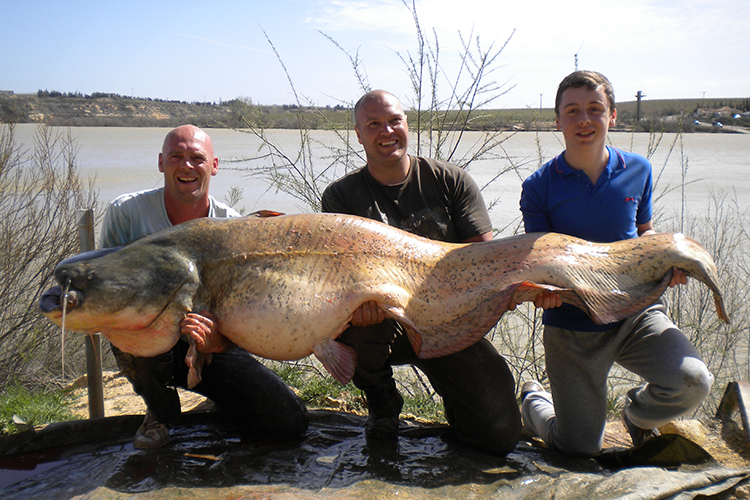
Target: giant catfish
(285, 287)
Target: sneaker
(384, 408)
(530, 386)
(638, 435)
(151, 434)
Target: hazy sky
(189, 51)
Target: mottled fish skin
(284, 287)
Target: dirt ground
(119, 398)
(726, 442)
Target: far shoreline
(112, 110)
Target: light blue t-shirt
(132, 216)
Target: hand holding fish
(204, 337)
(547, 300)
(369, 313)
(678, 277)
(202, 328)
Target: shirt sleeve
(535, 218)
(471, 216)
(113, 231)
(331, 202)
(645, 207)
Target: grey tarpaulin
(208, 458)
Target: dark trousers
(476, 384)
(234, 380)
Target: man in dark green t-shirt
(440, 201)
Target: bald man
(440, 201)
(234, 380)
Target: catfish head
(135, 295)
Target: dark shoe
(384, 408)
(151, 434)
(530, 386)
(638, 435)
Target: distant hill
(113, 110)
(108, 110)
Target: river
(125, 159)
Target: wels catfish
(285, 287)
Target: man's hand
(368, 314)
(547, 300)
(203, 330)
(678, 277)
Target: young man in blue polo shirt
(601, 194)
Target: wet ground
(208, 457)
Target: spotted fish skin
(285, 287)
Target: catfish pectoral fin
(195, 361)
(339, 359)
(412, 332)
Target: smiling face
(188, 162)
(383, 132)
(584, 117)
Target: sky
(289, 51)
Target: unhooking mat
(209, 458)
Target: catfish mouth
(53, 299)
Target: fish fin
(467, 329)
(412, 332)
(719, 305)
(415, 339)
(602, 309)
(195, 361)
(704, 278)
(266, 213)
(337, 358)
(610, 308)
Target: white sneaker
(151, 434)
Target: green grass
(316, 387)
(424, 406)
(319, 390)
(35, 407)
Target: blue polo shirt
(558, 198)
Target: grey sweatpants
(578, 363)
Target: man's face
(187, 161)
(585, 117)
(382, 130)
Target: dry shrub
(39, 193)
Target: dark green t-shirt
(437, 200)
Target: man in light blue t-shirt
(234, 380)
